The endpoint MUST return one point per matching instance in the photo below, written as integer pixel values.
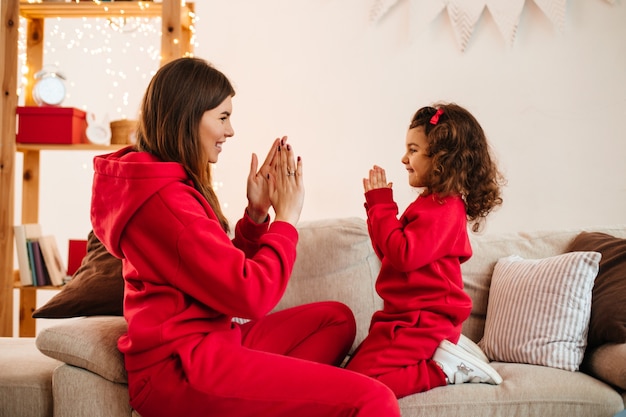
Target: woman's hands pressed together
(258, 185)
(277, 183)
(286, 186)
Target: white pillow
(539, 309)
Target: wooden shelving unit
(177, 26)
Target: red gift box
(77, 250)
(53, 125)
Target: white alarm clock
(49, 89)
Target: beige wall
(553, 105)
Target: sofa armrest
(89, 343)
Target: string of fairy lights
(119, 42)
(118, 52)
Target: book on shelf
(41, 273)
(31, 261)
(38, 257)
(52, 259)
(23, 233)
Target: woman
(154, 207)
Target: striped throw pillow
(538, 311)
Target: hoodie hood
(123, 182)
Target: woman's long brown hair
(177, 97)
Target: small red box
(76, 251)
(55, 125)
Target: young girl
(411, 345)
(154, 207)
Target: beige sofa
(336, 261)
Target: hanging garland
(464, 14)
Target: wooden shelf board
(89, 9)
(23, 147)
(38, 287)
(104, 9)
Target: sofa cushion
(538, 311)
(89, 343)
(25, 379)
(80, 393)
(96, 288)
(335, 261)
(608, 315)
(488, 248)
(526, 390)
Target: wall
(344, 89)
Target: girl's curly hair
(461, 160)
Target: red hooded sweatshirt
(184, 277)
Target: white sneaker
(472, 348)
(461, 367)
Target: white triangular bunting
(506, 14)
(380, 8)
(464, 14)
(555, 10)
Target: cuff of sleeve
(285, 229)
(251, 229)
(378, 196)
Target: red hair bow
(435, 119)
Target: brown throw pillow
(608, 363)
(608, 315)
(96, 288)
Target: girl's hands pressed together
(286, 186)
(377, 179)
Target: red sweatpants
(283, 367)
(401, 357)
